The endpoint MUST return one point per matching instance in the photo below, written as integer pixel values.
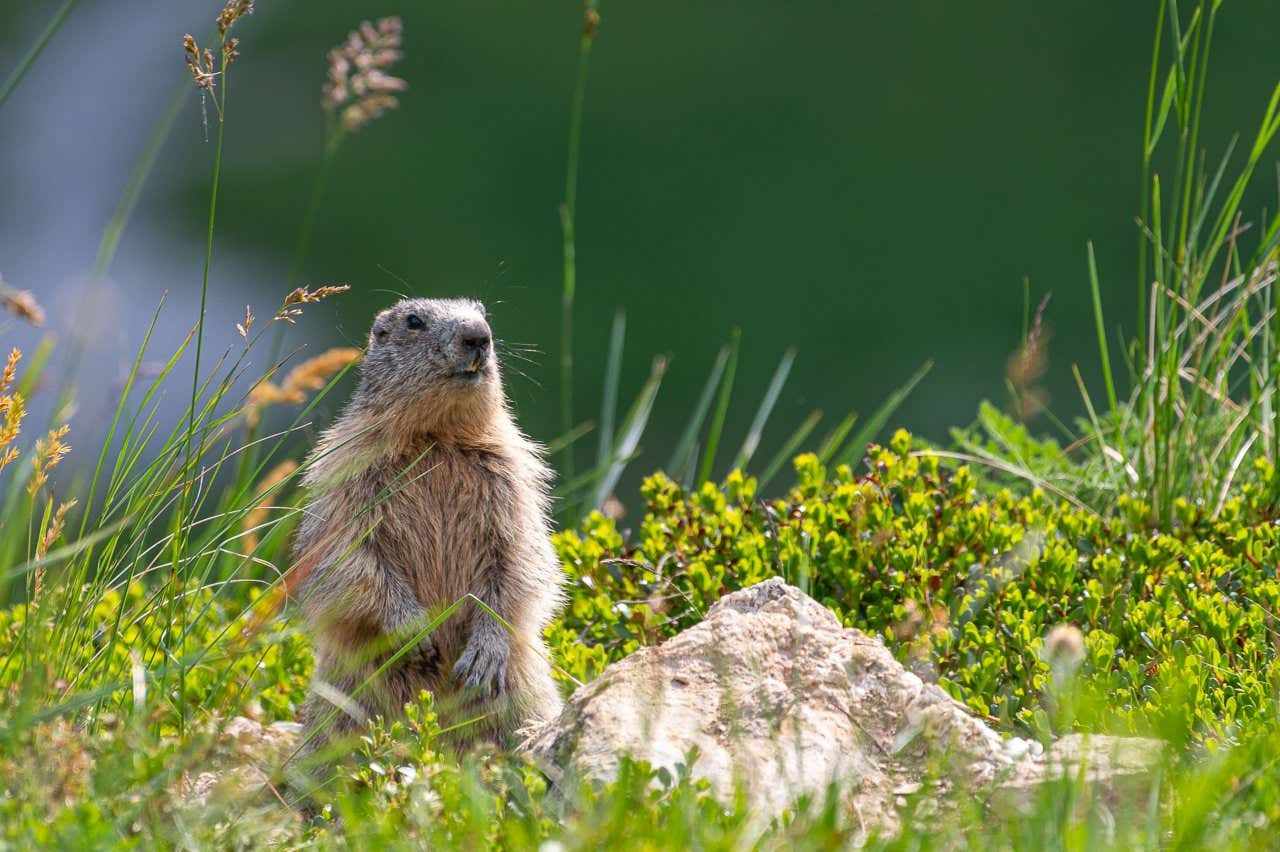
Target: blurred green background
(869, 182)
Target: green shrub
(962, 580)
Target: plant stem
(133, 189)
(36, 49)
(568, 212)
(332, 143)
(1145, 206)
(180, 524)
(313, 207)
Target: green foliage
(133, 641)
(236, 668)
(961, 583)
(962, 578)
(1203, 364)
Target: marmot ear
(379, 331)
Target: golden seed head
(10, 369)
(314, 372)
(48, 451)
(1027, 365)
(12, 410)
(55, 528)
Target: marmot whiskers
(423, 492)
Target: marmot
(425, 491)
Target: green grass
(1200, 407)
(150, 616)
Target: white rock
(777, 697)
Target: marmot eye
(414, 321)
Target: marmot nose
(475, 336)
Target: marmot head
(433, 358)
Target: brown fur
(423, 492)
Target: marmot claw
(483, 668)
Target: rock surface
(775, 695)
(245, 751)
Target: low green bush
(964, 580)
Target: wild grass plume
(45, 456)
(12, 410)
(291, 310)
(359, 89)
(21, 304)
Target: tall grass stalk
(716, 428)
(29, 59)
(332, 143)
(1203, 377)
(568, 218)
(181, 526)
(132, 191)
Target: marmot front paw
(423, 657)
(483, 664)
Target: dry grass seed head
(52, 534)
(46, 542)
(358, 88)
(232, 12)
(243, 327)
(312, 374)
(289, 311)
(200, 62)
(1028, 363)
(23, 304)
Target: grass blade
(632, 430)
(684, 450)
(771, 394)
(568, 217)
(36, 49)
(788, 449)
(858, 443)
(722, 410)
(833, 441)
(137, 179)
(609, 400)
(1101, 328)
(576, 433)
